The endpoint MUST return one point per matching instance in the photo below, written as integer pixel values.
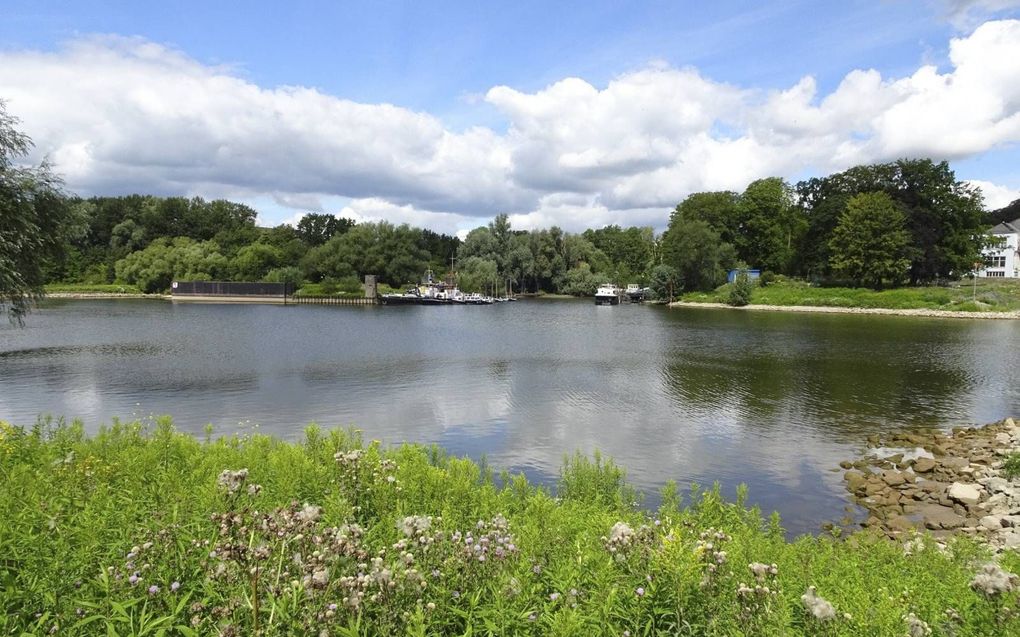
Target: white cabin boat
(607, 294)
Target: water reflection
(771, 400)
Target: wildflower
(992, 580)
(431, 606)
(554, 596)
(640, 592)
(174, 586)
(456, 594)
(153, 589)
(916, 627)
(133, 579)
(532, 617)
(818, 607)
(231, 481)
(309, 514)
(621, 533)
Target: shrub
(1011, 467)
(740, 292)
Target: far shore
(822, 309)
(104, 295)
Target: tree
(163, 260)
(252, 262)
(694, 250)
(769, 225)
(944, 216)
(36, 222)
(665, 282)
(870, 244)
(316, 228)
(720, 210)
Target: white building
(1004, 261)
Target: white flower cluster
(413, 525)
(819, 608)
(916, 627)
(991, 580)
(232, 481)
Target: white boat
(607, 294)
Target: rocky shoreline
(822, 309)
(946, 483)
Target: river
(773, 400)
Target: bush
(1011, 467)
(740, 292)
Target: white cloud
(966, 14)
(996, 196)
(121, 115)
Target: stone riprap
(943, 482)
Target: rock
(873, 487)
(992, 522)
(939, 517)
(846, 464)
(1011, 540)
(924, 465)
(964, 493)
(896, 459)
(873, 440)
(1003, 439)
(899, 523)
(953, 463)
(937, 450)
(893, 478)
(995, 485)
(855, 481)
(1009, 424)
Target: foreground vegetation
(988, 295)
(143, 530)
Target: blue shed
(751, 274)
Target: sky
(444, 114)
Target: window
(1000, 273)
(995, 262)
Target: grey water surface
(773, 400)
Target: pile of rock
(947, 483)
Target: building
(1004, 261)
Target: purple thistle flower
(174, 587)
(640, 591)
(133, 579)
(153, 589)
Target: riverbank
(818, 309)
(984, 298)
(141, 528)
(948, 483)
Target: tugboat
(607, 294)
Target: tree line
(908, 221)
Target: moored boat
(607, 294)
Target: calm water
(772, 400)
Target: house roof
(1007, 227)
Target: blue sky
(442, 60)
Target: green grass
(988, 296)
(84, 288)
(359, 539)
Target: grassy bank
(91, 288)
(143, 530)
(989, 295)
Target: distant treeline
(883, 224)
